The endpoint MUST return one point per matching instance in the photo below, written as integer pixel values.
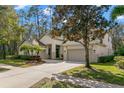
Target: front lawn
(18, 62)
(3, 69)
(106, 72)
(22, 60)
(48, 83)
(13, 62)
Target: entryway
(57, 51)
(49, 51)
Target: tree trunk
(4, 52)
(38, 26)
(16, 51)
(86, 46)
(87, 57)
(37, 53)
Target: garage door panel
(76, 55)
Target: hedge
(104, 59)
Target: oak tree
(82, 24)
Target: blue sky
(45, 9)
(108, 13)
(119, 19)
(26, 7)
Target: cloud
(20, 7)
(120, 19)
(47, 11)
(64, 21)
(98, 5)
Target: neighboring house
(72, 51)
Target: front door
(57, 51)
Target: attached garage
(75, 55)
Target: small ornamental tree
(31, 49)
(26, 48)
(37, 49)
(82, 24)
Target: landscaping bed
(105, 72)
(66, 81)
(49, 83)
(22, 61)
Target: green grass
(13, 62)
(18, 62)
(47, 83)
(3, 69)
(106, 72)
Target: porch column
(53, 54)
(65, 53)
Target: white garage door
(76, 55)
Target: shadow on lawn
(3, 69)
(105, 64)
(100, 75)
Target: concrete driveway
(26, 77)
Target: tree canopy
(18, 26)
(10, 31)
(82, 24)
(117, 32)
(117, 11)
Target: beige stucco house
(73, 51)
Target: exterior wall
(95, 51)
(103, 50)
(43, 54)
(100, 51)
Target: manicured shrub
(30, 59)
(119, 61)
(104, 59)
(120, 51)
(23, 57)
